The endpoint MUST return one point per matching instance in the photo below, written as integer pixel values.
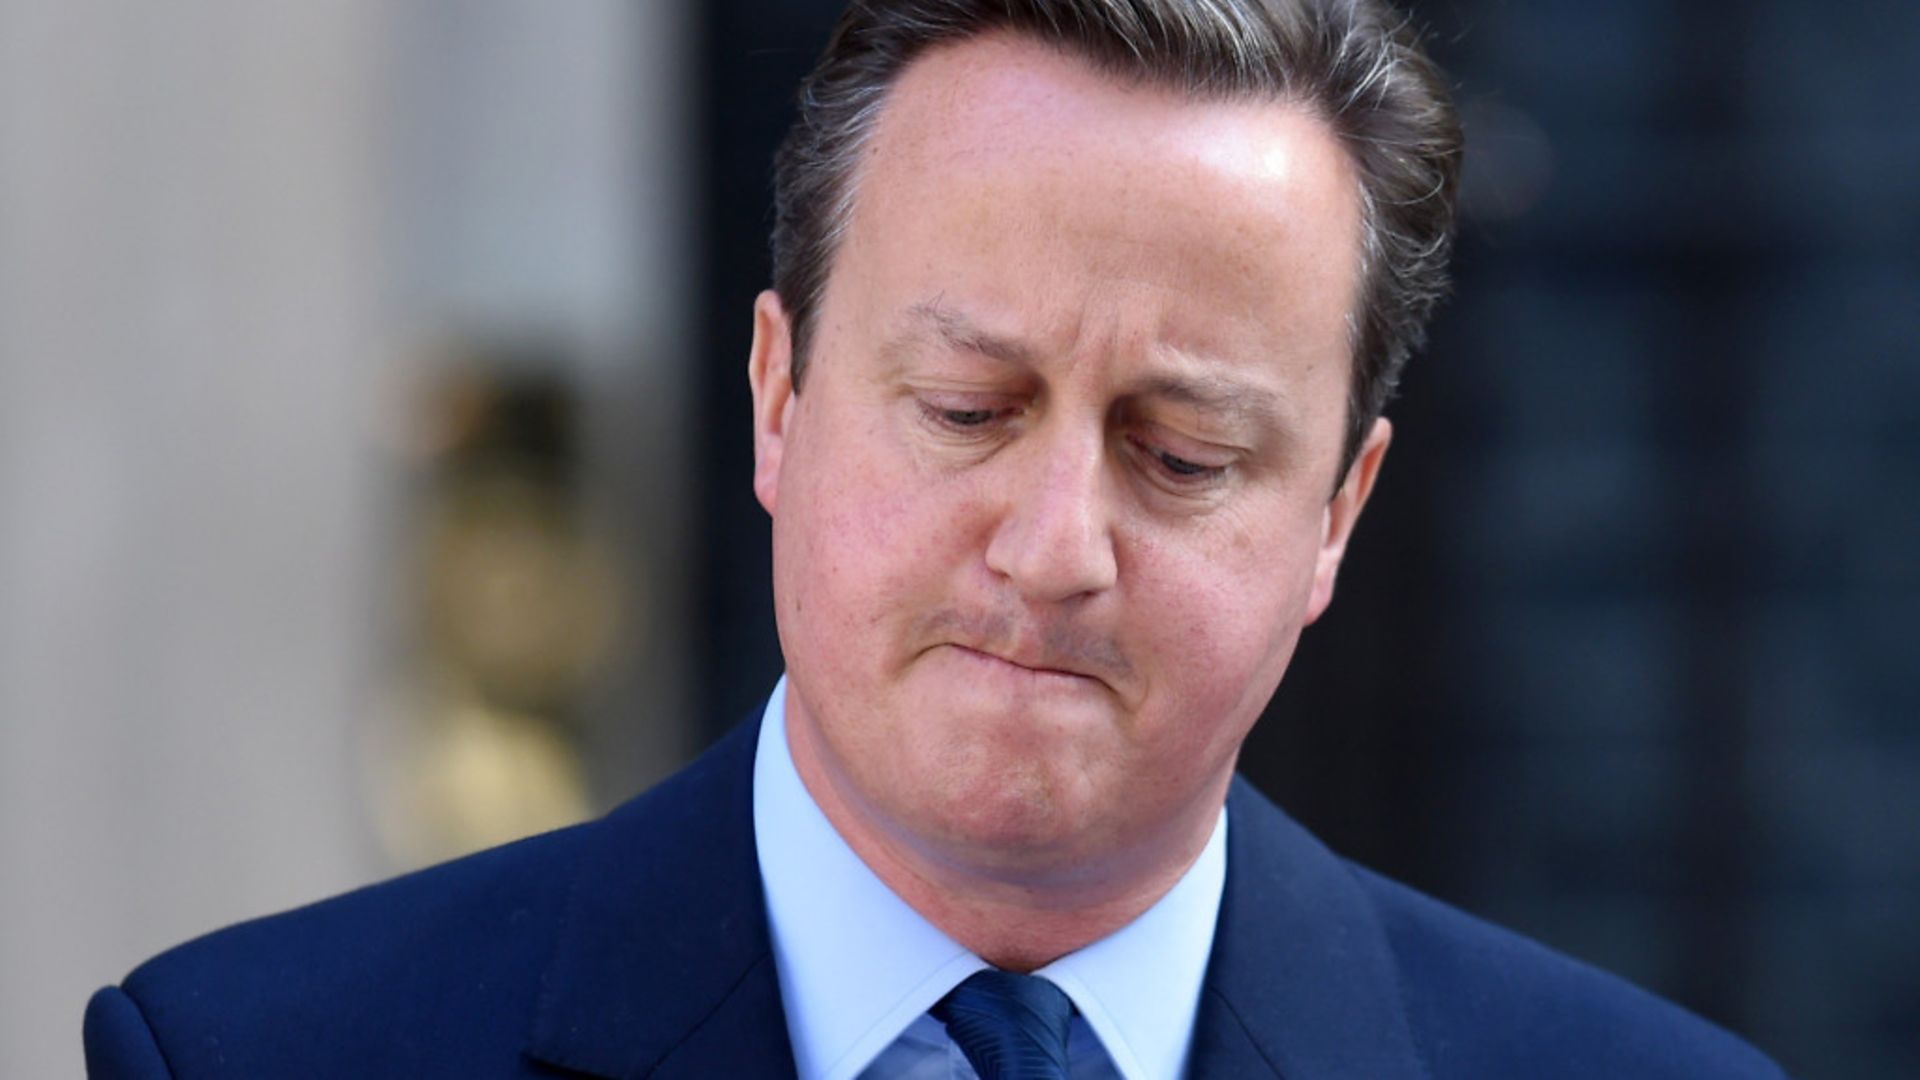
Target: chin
(1021, 813)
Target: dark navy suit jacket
(636, 946)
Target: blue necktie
(1011, 1027)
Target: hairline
(839, 219)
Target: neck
(1011, 926)
(1017, 919)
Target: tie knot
(1011, 1027)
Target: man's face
(1052, 507)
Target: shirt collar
(1139, 987)
(857, 965)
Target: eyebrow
(961, 334)
(1232, 398)
(1237, 400)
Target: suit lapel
(663, 966)
(1301, 983)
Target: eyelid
(1199, 451)
(939, 409)
(1157, 454)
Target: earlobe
(1343, 511)
(770, 374)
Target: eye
(962, 418)
(966, 418)
(1183, 467)
(1176, 471)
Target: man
(1066, 402)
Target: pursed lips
(1030, 649)
(1045, 666)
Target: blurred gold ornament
(518, 597)
(469, 777)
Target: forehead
(1021, 177)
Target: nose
(1054, 539)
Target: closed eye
(962, 418)
(1176, 471)
(966, 418)
(1182, 467)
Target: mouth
(1032, 669)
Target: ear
(1343, 510)
(770, 374)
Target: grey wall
(229, 231)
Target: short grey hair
(1356, 64)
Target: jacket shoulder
(1485, 1002)
(399, 971)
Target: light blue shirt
(859, 968)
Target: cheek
(1222, 619)
(868, 543)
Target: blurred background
(374, 479)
